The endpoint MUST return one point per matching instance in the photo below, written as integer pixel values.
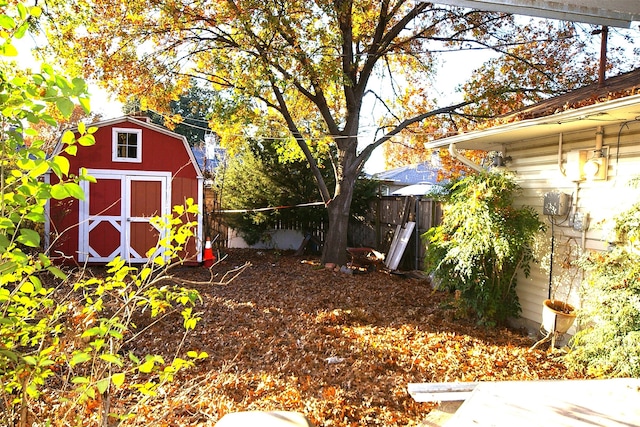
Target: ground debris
(291, 335)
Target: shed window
(127, 145)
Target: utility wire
(277, 138)
(271, 208)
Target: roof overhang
(414, 190)
(495, 138)
(613, 13)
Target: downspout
(456, 155)
(560, 167)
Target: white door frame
(121, 222)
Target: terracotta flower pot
(557, 316)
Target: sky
(454, 69)
(101, 101)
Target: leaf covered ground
(288, 334)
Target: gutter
(456, 155)
(602, 113)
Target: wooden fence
(212, 221)
(376, 230)
(389, 212)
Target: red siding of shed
(162, 152)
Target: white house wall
(535, 163)
(277, 239)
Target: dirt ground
(288, 334)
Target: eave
(613, 13)
(495, 138)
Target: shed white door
(114, 217)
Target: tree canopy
(297, 72)
(187, 115)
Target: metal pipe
(599, 139)
(560, 142)
(604, 34)
(454, 153)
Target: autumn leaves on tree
(307, 76)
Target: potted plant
(558, 315)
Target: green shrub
(68, 343)
(608, 341)
(482, 244)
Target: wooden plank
(401, 239)
(441, 392)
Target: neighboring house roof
(421, 173)
(616, 100)
(207, 161)
(209, 154)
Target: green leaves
(65, 105)
(31, 320)
(608, 342)
(29, 238)
(112, 359)
(68, 189)
(57, 272)
(118, 379)
(96, 316)
(149, 364)
(79, 357)
(196, 355)
(7, 22)
(481, 244)
(60, 166)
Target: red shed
(142, 170)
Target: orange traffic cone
(209, 257)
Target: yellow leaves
(170, 121)
(267, 339)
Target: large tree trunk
(335, 242)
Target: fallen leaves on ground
(288, 334)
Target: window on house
(127, 145)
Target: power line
(277, 138)
(301, 205)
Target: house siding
(535, 163)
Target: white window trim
(114, 145)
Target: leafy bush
(58, 334)
(608, 342)
(482, 244)
(260, 178)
